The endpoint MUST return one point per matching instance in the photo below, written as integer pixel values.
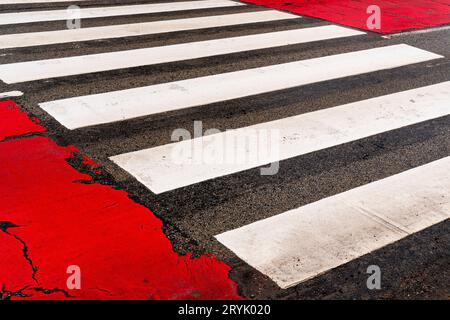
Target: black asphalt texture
(417, 267)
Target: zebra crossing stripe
(108, 107)
(37, 1)
(84, 13)
(10, 94)
(297, 245)
(51, 68)
(175, 165)
(20, 40)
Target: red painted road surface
(14, 122)
(396, 15)
(52, 216)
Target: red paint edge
(52, 216)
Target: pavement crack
(50, 291)
(4, 226)
(6, 294)
(24, 136)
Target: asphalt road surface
(199, 204)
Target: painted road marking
(171, 166)
(414, 32)
(397, 15)
(109, 226)
(138, 29)
(10, 94)
(302, 243)
(84, 13)
(52, 68)
(108, 107)
(36, 1)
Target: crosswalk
(299, 244)
(55, 15)
(291, 246)
(298, 135)
(136, 29)
(107, 107)
(44, 69)
(35, 1)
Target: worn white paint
(414, 32)
(10, 94)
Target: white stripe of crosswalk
(83, 13)
(44, 69)
(36, 1)
(138, 29)
(10, 94)
(302, 243)
(109, 107)
(184, 163)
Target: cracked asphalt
(416, 267)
